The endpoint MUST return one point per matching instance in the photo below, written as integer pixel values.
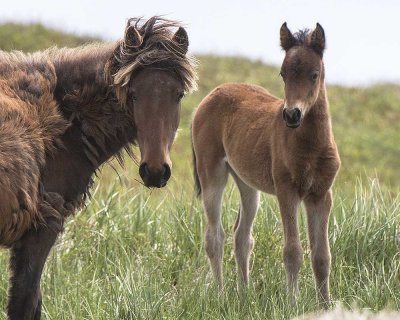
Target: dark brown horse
(282, 147)
(63, 113)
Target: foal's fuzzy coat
(238, 129)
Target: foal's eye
(134, 98)
(314, 76)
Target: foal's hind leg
(213, 177)
(318, 210)
(292, 251)
(28, 256)
(249, 200)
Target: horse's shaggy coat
(64, 112)
(30, 127)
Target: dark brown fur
(63, 113)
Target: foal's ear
(132, 36)
(287, 39)
(182, 39)
(317, 40)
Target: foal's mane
(149, 45)
(301, 37)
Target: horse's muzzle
(292, 117)
(154, 178)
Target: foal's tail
(197, 186)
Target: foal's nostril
(284, 115)
(291, 116)
(296, 115)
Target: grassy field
(133, 253)
(139, 255)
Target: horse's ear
(182, 39)
(317, 40)
(132, 36)
(287, 39)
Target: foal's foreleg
(28, 256)
(292, 251)
(318, 210)
(243, 240)
(213, 180)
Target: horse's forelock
(149, 44)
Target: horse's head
(151, 77)
(302, 71)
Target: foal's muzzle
(155, 177)
(292, 117)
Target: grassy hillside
(35, 36)
(135, 253)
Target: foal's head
(151, 73)
(302, 71)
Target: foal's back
(235, 124)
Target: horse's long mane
(90, 82)
(149, 45)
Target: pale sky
(363, 41)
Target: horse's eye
(134, 98)
(181, 95)
(314, 76)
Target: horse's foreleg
(213, 180)
(243, 240)
(318, 210)
(28, 256)
(292, 251)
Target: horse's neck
(88, 101)
(81, 70)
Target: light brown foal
(283, 147)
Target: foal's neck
(316, 126)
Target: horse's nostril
(166, 174)
(155, 178)
(144, 170)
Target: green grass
(138, 254)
